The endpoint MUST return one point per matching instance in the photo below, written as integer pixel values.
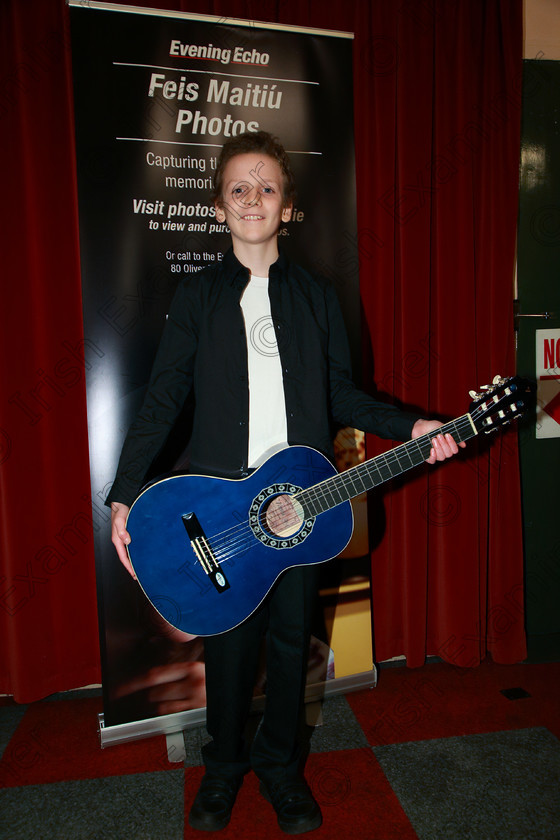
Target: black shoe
(211, 809)
(295, 807)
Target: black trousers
(232, 661)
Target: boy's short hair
(255, 141)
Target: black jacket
(203, 347)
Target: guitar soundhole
(277, 519)
(283, 516)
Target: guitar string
(238, 535)
(388, 459)
(370, 467)
(239, 531)
(233, 541)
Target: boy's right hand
(119, 535)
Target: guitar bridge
(203, 552)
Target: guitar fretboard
(345, 486)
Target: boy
(261, 343)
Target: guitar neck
(357, 480)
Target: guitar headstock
(499, 403)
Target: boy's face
(252, 200)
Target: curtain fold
(437, 111)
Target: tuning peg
(480, 394)
(497, 381)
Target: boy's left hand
(443, 446)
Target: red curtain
(48, 613)
(438, 186)
(437, 106)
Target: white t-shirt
(267, 407)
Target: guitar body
(202, 548)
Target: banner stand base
(172, 726)
(176, 752)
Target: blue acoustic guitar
(207, 551)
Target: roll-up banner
(156, 94)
